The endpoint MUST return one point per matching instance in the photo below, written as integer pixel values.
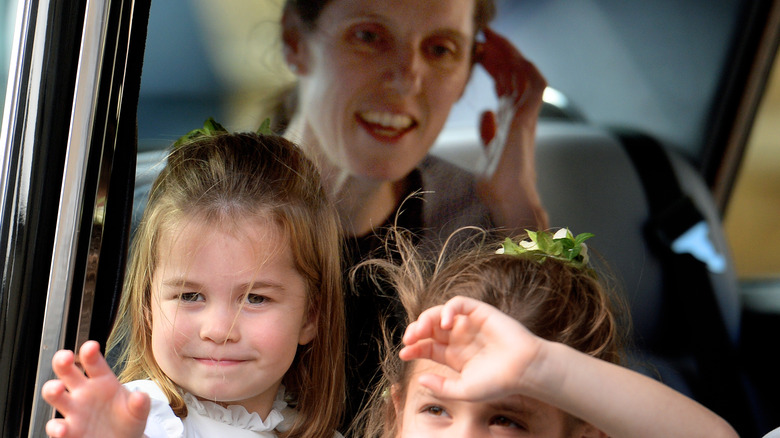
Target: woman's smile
(386, 125)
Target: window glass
(648, 65)
(754, 208)
(7, 18)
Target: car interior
(652, 115)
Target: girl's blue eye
(190, 296)
(255, 299)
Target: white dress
(773, 434)
(207, 419)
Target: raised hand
(95, 404)
(490, 350)
(507, 174)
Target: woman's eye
(190, 296)
(503, 421)
(255, 299)
(367, 36)
(442, 50)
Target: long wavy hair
(218, 179)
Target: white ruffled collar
(238, 416)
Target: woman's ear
(294, 47)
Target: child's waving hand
(95, 404)
(490, 350)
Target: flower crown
(543, 245)
(212, 127)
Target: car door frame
(69, 136)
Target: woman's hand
(95, 404)
(490, 350)
(507, 175)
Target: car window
(652, 66)
(7, 17)
(754, 209)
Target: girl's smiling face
(378, 79)
(421, 414)
(229, 310)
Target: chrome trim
(68, 217)
(18, 97)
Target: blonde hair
(554, 300)
(219, 177)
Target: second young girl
(523, 342)
(231, 319)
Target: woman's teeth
(388, 121)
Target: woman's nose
(220, 324)
(405, 73)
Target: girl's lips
(218, 362)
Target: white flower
(562, 234)
(500, 250)
(529, 245)
(584, 253)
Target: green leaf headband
(212, 127)
(543, 245)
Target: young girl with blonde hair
(231, 320)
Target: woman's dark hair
(309, 11)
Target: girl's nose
(404, 74)
(220, 325)
(468, 428)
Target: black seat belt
(678, 234)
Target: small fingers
(433, 382)
(457, 306)
(64, 366)
(92, 360)
(139, 404)
(426, 349)
(54, 392)
(424, 327)
(57, 428)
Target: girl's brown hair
(553, 299)
(217, 179)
